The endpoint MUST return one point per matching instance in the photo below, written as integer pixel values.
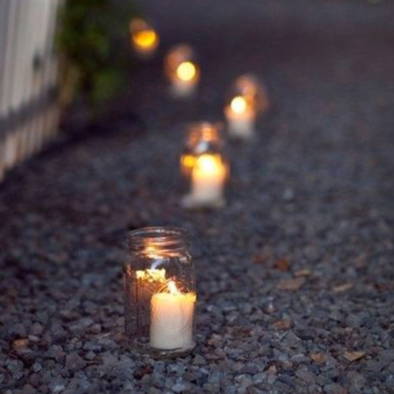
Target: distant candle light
(186, 71)
(188, 161)
(238, 105)
(247, 100)
(182, 70)
(208, 177)
(144, 38)
(202, 137)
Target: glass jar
(246, 100)
(160, 294)
(202, 137)
(255, 92)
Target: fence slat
(28, 76)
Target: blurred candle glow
(203, 137)
(182, 70)
(188, 161)
(254, 91)
(207, 182)
(239, 105)
(144, 38)
(240, 117)
(247, 100)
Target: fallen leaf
(284, 324)
(20, 344)
(291, 284)
(318, 357)
(272, 370)
(353, 356)
(282, 265)
(342, 288)
(304, 272)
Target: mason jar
(246, 100)
(160, 293)
(202, 137)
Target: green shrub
(93, 40)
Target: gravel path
(295, 275)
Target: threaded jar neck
(158, 241)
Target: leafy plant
(93, 40)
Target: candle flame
(145, 39)
(186, 71)
(209, 163)
(172, 287)
(238, 104)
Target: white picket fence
(28, 76)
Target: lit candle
(203, 137)
(241, 117)
(185, 81)
(182, 71)
(144, 38)
(207, 182)
(172, 319)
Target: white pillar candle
(181, 88)
(207, 181)
(240, 117)
(207, 186)
(172, 319)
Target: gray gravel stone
(293, 273)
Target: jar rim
(163, 238)
(158, 232)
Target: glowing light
(145, 39)
(186, 71)
(151, 275)
(188, 161)
(238, 105)
(207, 163)
(254, 91)
(210, 165)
